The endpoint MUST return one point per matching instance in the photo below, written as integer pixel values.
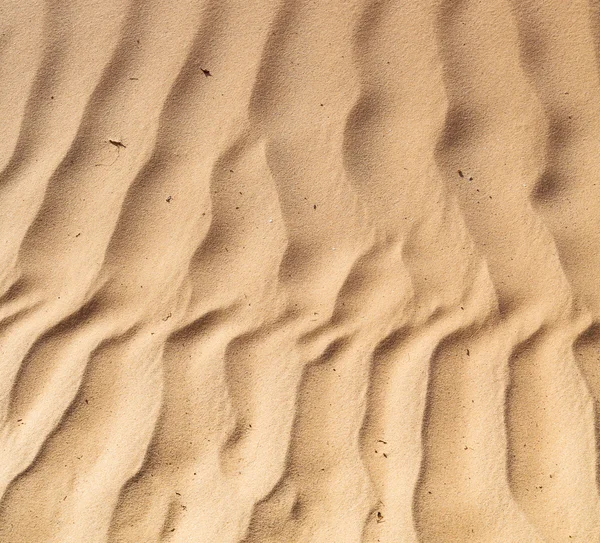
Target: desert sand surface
(299, 271)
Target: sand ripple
(300, 271)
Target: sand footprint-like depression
(297, 271)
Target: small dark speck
(87, 402)
(385, 455)
(77, 235)
(470, 179)
(178, 493)
(51, 97)
(133, 79)
(19, 420)
(460, 173)
(321, 105)
(206, 72)
(468, 353)
(315, 206)
(172, 530)
(462, 307)
(117, 143)
(169, 199)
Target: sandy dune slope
(292, 271)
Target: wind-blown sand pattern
(296, 271)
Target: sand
(300, 272)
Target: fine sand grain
(295, 271)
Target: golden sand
(299, 271)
